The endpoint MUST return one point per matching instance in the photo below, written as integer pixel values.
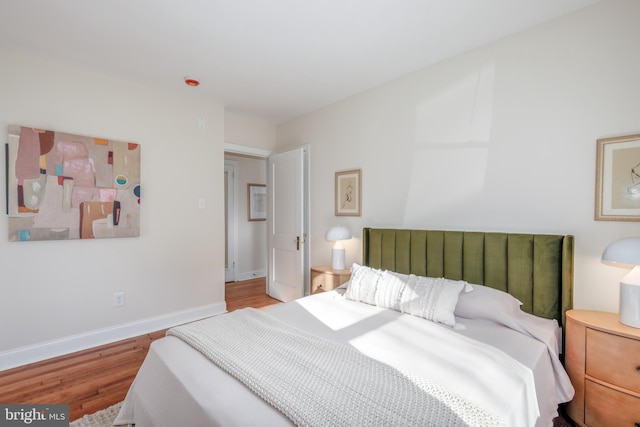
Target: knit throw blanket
(317, 382)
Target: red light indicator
(191, 81)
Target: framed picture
(349, 193)
(63, 186)
(618, 179)
(257, 202)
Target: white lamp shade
(623, 251)
(338, 232)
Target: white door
(287, 224)
(230, 220)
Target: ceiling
(275, 59)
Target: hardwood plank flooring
(99, 377)
(248, 293)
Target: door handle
(298, 241)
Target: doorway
(242, 235)
(245, 239)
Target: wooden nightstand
(325, 278)
(603, 362)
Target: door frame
(307, 219)
(248, 151)
(232, 224)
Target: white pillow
(487, 303)
(390, 288)
(432, 299)
(363, 284)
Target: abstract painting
(62, 186)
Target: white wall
(249, 131)
(59, 289)
(252, 235)
(502, 138)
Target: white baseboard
(46, 350)
(251, 275)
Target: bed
(489, 357)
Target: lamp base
(630, 304)
(337, 258)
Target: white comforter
(316, 382)
(178, 386)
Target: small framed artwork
(257, 202)
(618, 179)
(349, 193)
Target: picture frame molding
(605, 147)
(342, 180)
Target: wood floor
(249, 293)
(99, 377)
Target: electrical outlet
(118, 299)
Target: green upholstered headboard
(535, 268)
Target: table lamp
(337, 233)
(627, 251)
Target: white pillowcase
(363, 284)
(503, 308)
(426, 297)
(390, 289)
(487, 303)
(432, 299)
